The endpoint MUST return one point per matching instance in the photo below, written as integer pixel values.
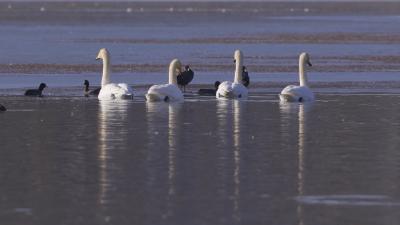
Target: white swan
(302, 93)
(236, 89)
(170, 91)
(110, 90)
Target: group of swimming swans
(227, 89)
(171, 91)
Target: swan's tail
(154, 97)
(289, 98)
(127, 96)
(227, 94)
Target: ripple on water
(347, 200)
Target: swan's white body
(302, 93)
(110, 90)
(293, 93)
(115, 91)
(236, 89)
(228, 89)
(170, 91)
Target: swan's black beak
(234, 61)
(97, 58)
(309, 63)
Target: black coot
(209, 91)
(185, 77)
(36, 92)
(87, 92)
(2, 108)
(245, 77)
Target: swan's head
(237, 56)
(176, 65)
(103, 53)
(305, 58)
(86, 83)
(42, 86)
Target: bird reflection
(226, 108)
(236, 151)
(172, 144)
(157, 114)
(289, 110)
(112, 129)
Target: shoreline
(62, 69)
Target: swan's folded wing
(125, 87)
(294, 93)
(240, 90)
(225, 90)
(161, 91)
(228, 89)
(113, 91)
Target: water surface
(67, 159)
(203, 161)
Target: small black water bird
(36, 92)
(209, 91)
(87, 92)
(185, 77)
(245, 77)
(2, 108)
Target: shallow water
(65, 38)
(67, 159)
(203, 161)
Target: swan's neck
(106, 71)
(172, 78)
(239, 70)
(86, 88)
(302, 73)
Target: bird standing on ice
(185, 77)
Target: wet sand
(342, 37)
(362, 63)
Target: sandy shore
(21, 14)
(78, 11)
(323, 64)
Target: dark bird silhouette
(36, 92)
(209, 91)
(2, 108)
(185, 77)
(245, 77)
(87, 92)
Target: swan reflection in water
(112, 130)
(289, 112)
(225, 108)
(160, 112)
